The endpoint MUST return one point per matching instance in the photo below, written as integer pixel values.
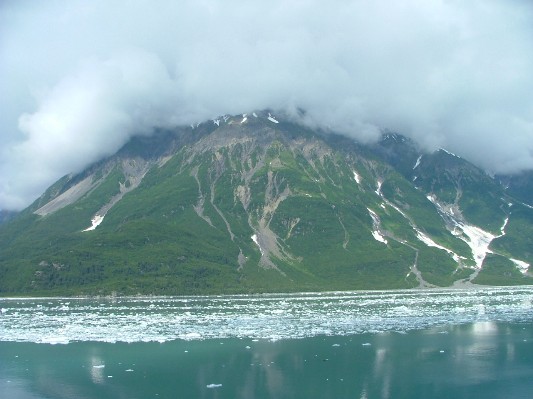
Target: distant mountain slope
(254, 203)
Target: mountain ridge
(256, 203)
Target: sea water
(379, 344)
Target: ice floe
(212, 386)
(267, 316)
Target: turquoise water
(401, 344)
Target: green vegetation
(187, 227)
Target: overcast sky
(78, 78)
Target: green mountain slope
(255, 204)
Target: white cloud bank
(79, 78)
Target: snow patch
(527, 205)
(476, 238)
(254, 114)
(356, 177)
(417, 162)
(520, 265)
(378, 189)
(271, 118)
(375, 222)
(502, 229)
(244, 118)
(256, 241)
(449, 153)
(430, 243)
(216, 122)
(96, 220)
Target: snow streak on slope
(356, 177)
(521, 265)
(272, 119)
(417, 162)
(96, 220)
(477, 239)
(376, 224)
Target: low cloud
(80, 78)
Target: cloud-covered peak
(80, 78)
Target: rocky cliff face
(255, 203)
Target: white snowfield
(96, 220)
(477, 239)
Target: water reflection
(485, 359)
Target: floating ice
(271, 317)
(211, 386)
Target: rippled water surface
(390, 344)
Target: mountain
(256, 203)
(6, 216)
